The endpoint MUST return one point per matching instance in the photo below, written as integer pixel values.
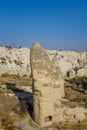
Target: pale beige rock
(82, 72)
(17, 61)
(48, 85)
(75, 115)
(48, 90)
(47, 66)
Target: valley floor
(16, 101)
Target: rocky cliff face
(17, 61)
(71, 62)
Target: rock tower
(48, 85)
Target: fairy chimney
(48, 85)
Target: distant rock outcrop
(17, 61)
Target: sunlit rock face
(17, 61)
(48, 85)
(71, 61)
(48, 89)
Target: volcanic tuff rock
(48, 85)
(71, 63)
(14, 61)
(48, 91)
(45, 71)
(17, 61)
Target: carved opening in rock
(68, 73)
(48, 118)
(74, 116)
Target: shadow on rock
(25, 100)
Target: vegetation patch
(75, 91)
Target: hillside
(17, 61)
(16, 82)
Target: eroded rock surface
(17, 61)
(48, 85)
(48, 90)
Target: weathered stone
(48, 85)
(17, 61)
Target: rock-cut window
(48, 118)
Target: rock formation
(48, 91)
(48, 85)
(47, 67)
(17, 61)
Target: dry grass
(75, 91)
(69, 126)
(80, 79)
(7, 103)
(72, 126)
(14, 79)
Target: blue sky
(56, 24)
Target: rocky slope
(14, 61)
(15, 71)
(17, 61)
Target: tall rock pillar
(48, 85)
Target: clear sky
(56, 24)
